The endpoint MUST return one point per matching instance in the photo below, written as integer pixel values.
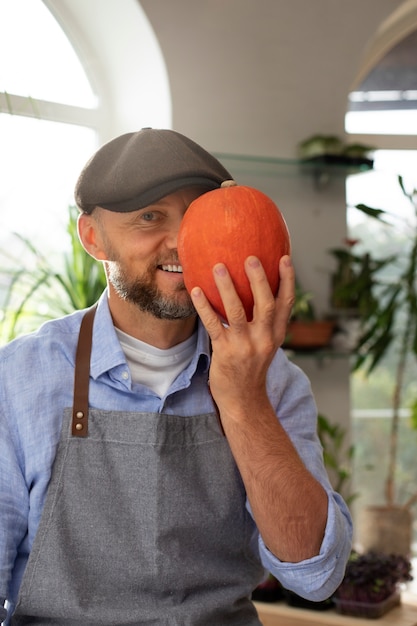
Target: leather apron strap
(82, 375)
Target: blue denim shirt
(36, 384)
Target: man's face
(140, 254)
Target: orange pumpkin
(226, 226)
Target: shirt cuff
(317, 578)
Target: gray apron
(144, 522)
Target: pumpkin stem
(228, 183)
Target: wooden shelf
(280, 614)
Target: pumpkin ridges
(228, 225)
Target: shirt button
(125, 375)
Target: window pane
(371, 398)
(34, 50)
(381, 122)
(386, 100)
(40, 162)
(380, 189)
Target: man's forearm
(288, 504)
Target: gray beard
(148, 297)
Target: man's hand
(242, 350)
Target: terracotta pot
(386, 529)
(309, 335)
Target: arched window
(40, 61)
(55, 110)
(385, 102)
(48, 112)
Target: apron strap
(82, 375)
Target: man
(154, 461)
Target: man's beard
(145, 294)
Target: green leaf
(371, 212)
(413, 414)
(37, 291)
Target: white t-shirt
(153, 367)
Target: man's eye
(149, 216)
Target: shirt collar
(107, 353)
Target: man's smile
(176, 269)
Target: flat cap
(137, 169)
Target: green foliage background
(36, 290)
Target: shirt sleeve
(316, 579)
(14, 505)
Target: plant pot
(309, 335)
(386, 529)
(371, 610)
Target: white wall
(257, 76)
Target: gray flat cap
(138, 169)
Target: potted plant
(330, 149)
(390, 321)
(35, 290)
(353, 280)
(351, 291)
(305, 330)
(370, 586)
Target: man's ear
(89, 235)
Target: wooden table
(280, 614)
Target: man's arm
(289, 505)
(14, 506)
